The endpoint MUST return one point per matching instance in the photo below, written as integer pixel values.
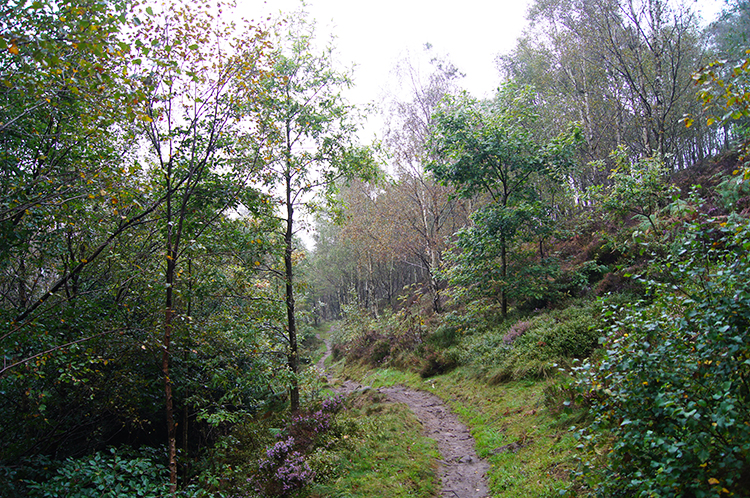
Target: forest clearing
(211, 286)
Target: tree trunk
(169, 403)
(293, 358)
(504, 274)
(169, 275)
(434, 283)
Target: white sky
(373, 35)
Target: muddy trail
(462, 473)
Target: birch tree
(311, 129)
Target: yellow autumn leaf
(713, 480)
(13, 49)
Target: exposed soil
(462, 473)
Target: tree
(488, 146)
(650, 48)
(669, 389)
(191, 122)
(127, 150)
(425, 211)
(729, 35)
(62, 97)
(622, 68)
(722, 84)
(311, 143)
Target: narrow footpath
(462, 473)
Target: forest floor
(462, 473)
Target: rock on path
(462, 473)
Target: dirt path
(462, 473)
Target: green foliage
(723, 92)
(531, 451)
(110, 474)
(382, 453)
(390, 339)
(487, 146)
(491, 147)
(733, 194)
(722, 87)
(84, 220)
(478, 268)
(670, 391)
(535, 346)
(639, 187)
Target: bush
(516, 331)
(113, 473)
(437, 363)
(532, 347)
(379, 352)
(291, 464)
(284, 471)
(574, 337)
(670, 393)
(445, 336)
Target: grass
(391, 457)
(315, 349)
(531, 450)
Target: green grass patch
(390, 456)
(530, 447)
(313, 347)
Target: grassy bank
(517, 427)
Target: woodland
(563, 263)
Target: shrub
(294, 462)
(574, 337)
(284, 471)
(379, 352)
(437, 363)
(533, 347)
(670, 392)
(112, 473)
(306, 428)
(516, 331)
(334, 404)
(325, 464)
(445, 336)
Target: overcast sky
(373, 35)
